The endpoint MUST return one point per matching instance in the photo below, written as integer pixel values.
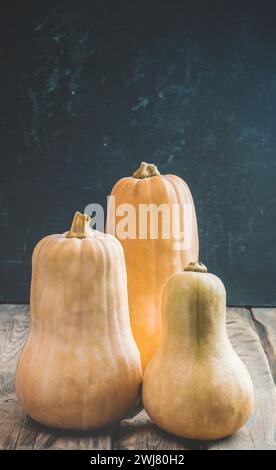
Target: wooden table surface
(253, 335)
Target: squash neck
(202, 331)
(146, 170)
(80, 226)
(198, 318)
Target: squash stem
(196, 266)
(146, 170)
(80, 226)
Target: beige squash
(151, 261)
(196, 386)
(80, 367)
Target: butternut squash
(196, 386)
(150, 261)
(80, 367)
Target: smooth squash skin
(80, 367)
(196, 386)
(150, 262)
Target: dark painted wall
(89, 89)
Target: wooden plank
(6, 313)
(6, 310)
(35, 436)
(140, 433)
(13, 331)
(27, 435)
(16, 430)
(55, 439)
(11, 421)
(259, 431)
(265, 322)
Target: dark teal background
(89, 89)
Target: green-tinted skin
(196, 386)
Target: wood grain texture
(258, 433)
(140, 433)
(32, 435)
(18, 431)
(56, 439)
(13, 331)
(27, 434)
(265, 322)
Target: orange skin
(150, 262)
(80, 367)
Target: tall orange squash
(150, 261)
